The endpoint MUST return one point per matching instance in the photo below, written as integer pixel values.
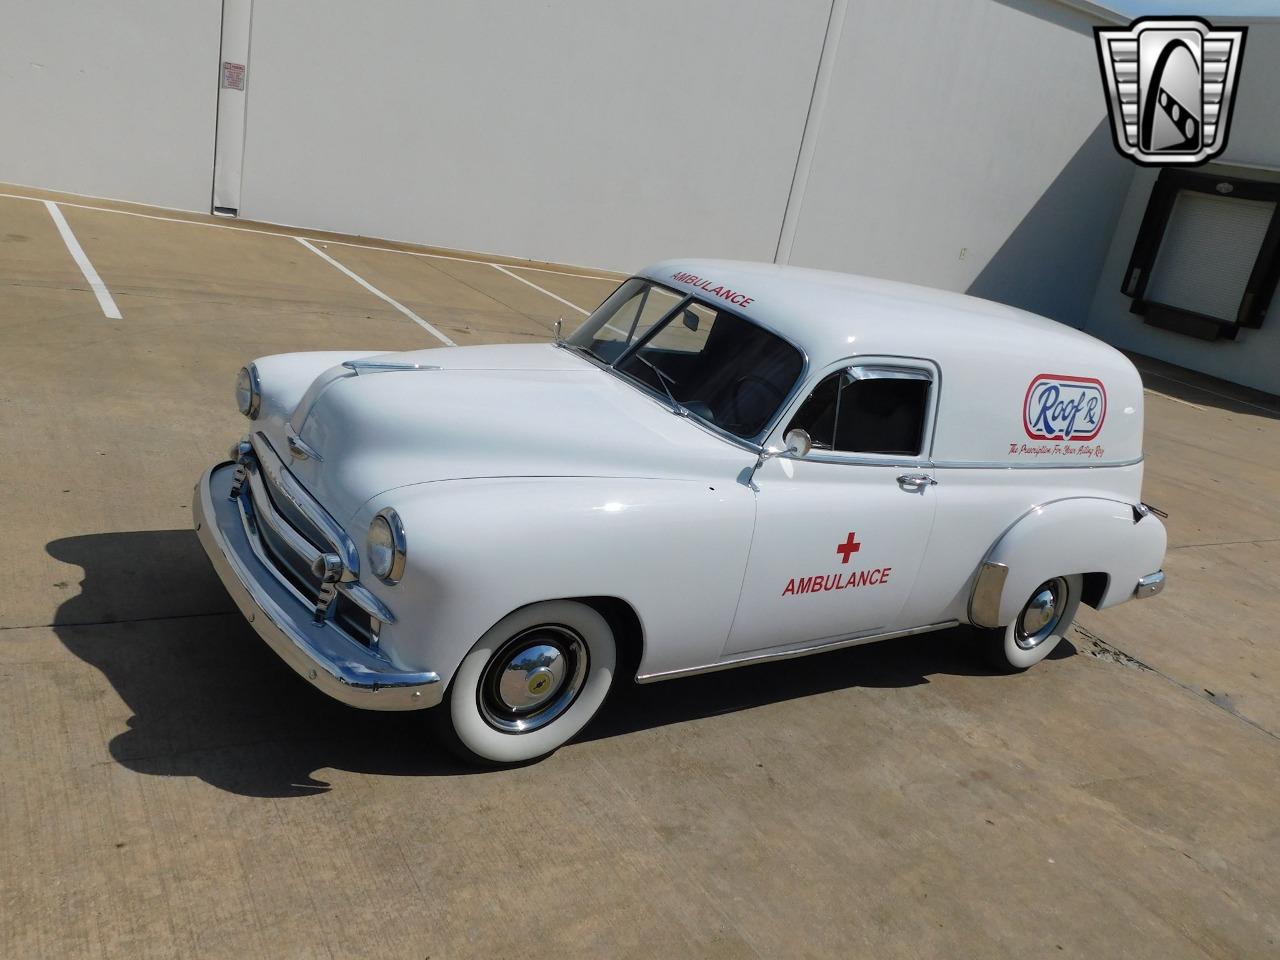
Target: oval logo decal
(1058, 407)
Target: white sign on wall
(232, 75)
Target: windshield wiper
(566, 345)
(676, 405)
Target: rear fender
(1080, 535)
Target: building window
(1207, 255)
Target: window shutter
(1208, 253)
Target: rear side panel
(978, 506)
(1078, 536)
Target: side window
(868, 409)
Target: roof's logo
(736, 297)
(1058, 407)
(1170, 85)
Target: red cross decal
(848, 548)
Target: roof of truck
(834, 315)
(989, 355)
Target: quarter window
(865, 409)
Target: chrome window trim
(895, 366)
(867, 459)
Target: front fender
(285, 377)
(1079, 535)
(674, 550)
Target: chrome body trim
(322, 563)
(320, 652)
(359, 594)
(1001, 465)
(916, 482)
(282, 481)
(386, 366)
(1149, 585)
(792, 652)
(988, 588)
(399, 544)
(255, 392)
(299, 447)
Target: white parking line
(499, 267)
(280, 233)
(109, 308)
(378, 293)
(442, 256)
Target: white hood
(493, 411)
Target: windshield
(628, 314)
(714, 364)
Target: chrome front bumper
(319, 651)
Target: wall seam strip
(809, 135)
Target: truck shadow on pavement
(209, 700)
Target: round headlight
(248, 391)
(386, 546)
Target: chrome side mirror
(559, 326)
(798, 443)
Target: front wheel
(529, 684)
(1039, 626)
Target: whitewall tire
(1041, 623)
(530, 684)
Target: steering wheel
(747, 379)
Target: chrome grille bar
(283, 483)
(335, 564)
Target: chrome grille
(275, 509)
(346, 614)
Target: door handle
(916, 481)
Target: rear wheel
(529, 684)
(1039, 626)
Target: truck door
(840, 533)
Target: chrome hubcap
(533, 678)
(530, 677)
(1040, 617)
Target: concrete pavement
(168, 788)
